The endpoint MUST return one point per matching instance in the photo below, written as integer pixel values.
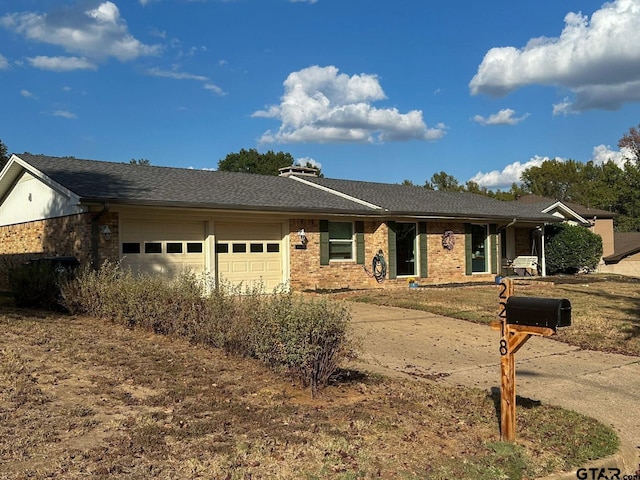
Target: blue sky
(368, 89)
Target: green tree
(251, 161)
(4, 156)
(140, 161)
(554, 179)
(571, 249)
(443, 182)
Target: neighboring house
(625, 260)
(297, 229)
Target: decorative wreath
(448, 240)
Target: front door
(406, 249)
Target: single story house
(295, 229)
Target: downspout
(95, 235)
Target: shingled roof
(626, 244)
(97, 181)
(124, 183)
(413, 200)
(585, 212)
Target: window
(194, 247)
(340, 241)
(239, 248)
(256, 248)
(174, 247)
(130, 248)
(273, 247)
(222, 248)
(155, 247)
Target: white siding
(30, 200)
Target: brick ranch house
(296, 228)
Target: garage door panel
(177, 246)
(250, 254)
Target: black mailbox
(539, 312)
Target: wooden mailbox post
(521, 317)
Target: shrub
(571, 249)
(302, 338)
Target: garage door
(250, 254)
(158, 247)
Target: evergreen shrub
(571, 249)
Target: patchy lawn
(605, 309)
(83, 398)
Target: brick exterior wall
(308, 274)
(523, 241)
(444, 266)
(61, 236)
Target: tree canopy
(631, 141)
(4, 156)
(251, 161)
(605, 186)
(141, 161)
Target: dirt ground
(83, 398)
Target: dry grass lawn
(81, 398)
(605, 309)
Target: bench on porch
(525, 265)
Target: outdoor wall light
(303, 237)
(106, 232)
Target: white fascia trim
(562, 206)
(337, 193)
(45, 179)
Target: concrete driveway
(420, 345)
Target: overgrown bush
(572, 249)
(303, 338)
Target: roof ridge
(336, 192)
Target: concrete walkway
(421, 345)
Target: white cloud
(603, 153)
(503, 117)
(598, 59)
(321, 105)
(96, 33)
(64, 114)
(27, 94)
(508, 175)
(61, 64)
(4, 63)
(156, 72)
(303, 161)
(215, 89)
(177, 75)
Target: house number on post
(520, 318)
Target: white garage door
(158, 247)
(250, 254)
